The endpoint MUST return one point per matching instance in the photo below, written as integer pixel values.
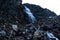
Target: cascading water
(30, 15)
(51, 36)
(32, 19)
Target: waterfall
(50, 35)
(30, 15)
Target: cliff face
(15, 9)
(40, 12)
(10, 7)
(12, 10)
(15, 24)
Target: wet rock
(15, 28)
(2, 33)
(14, 23)
(40, 12)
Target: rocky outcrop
(14, 23)
(40, 12)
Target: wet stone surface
(15, 24)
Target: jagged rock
(40, 12)
(14, 23)
(15, 28)
(2, 33)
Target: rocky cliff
(15, 23)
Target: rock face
(12, 10)
(39, 11)
(15, 24)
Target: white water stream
(30, 14)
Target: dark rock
(40, 12)
(12, 12)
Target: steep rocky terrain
(15, 23)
